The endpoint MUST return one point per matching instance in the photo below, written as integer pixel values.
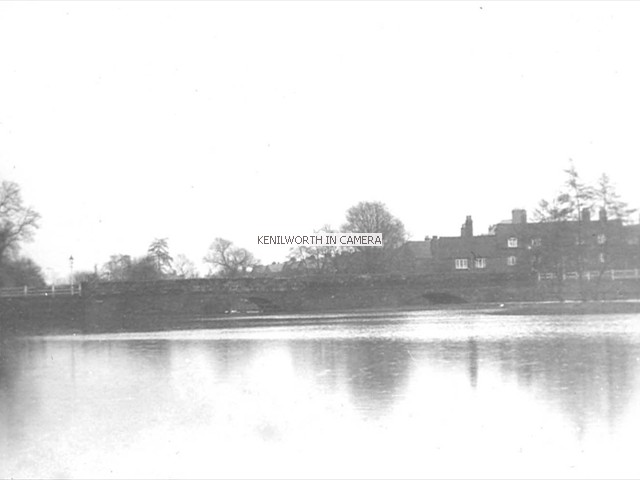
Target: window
(601, 257)
(462, 264)
(481, 263)
(512, 242)
(511, 261)
(601, 238)
(536, 242)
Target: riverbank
(133, 324)
(384, 315)
(227, 303)
(569, 308)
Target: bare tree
(565, 242)
(117, 268)
(373, 217)
(184, 267)
(613, 214)
(317, 258)
(123, 268)
(608, 200)
(18, 222)
(159, 252)
(578, 195)
(568, 242)
(227, 259)
(580, 199)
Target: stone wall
(202, 298)
(210, 296)
(114, 306)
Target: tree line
(19, 222)
(567, 247)
(226, 259)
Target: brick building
(519, 246)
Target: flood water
(420, 394)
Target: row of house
(511, 246)
(519, 246)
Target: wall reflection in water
(344, 400)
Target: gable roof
(479, 246)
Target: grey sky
(128, 121)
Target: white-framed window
(602, 238)
(512, 260)
(512, 242)
(481, 262)
(536, 242)
(462, 264)
(601, 257)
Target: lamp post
(71, 272)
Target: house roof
(479, 246)
(419, 249)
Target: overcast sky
(124, 121)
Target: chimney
(586, 215)
(603, 215)
(518, 216)
(433, 246)
(467, 228)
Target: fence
(595, 275)
(52, 291)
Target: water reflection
(340, 400)
(587, 378)
(473, 362)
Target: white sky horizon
(128, 121)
